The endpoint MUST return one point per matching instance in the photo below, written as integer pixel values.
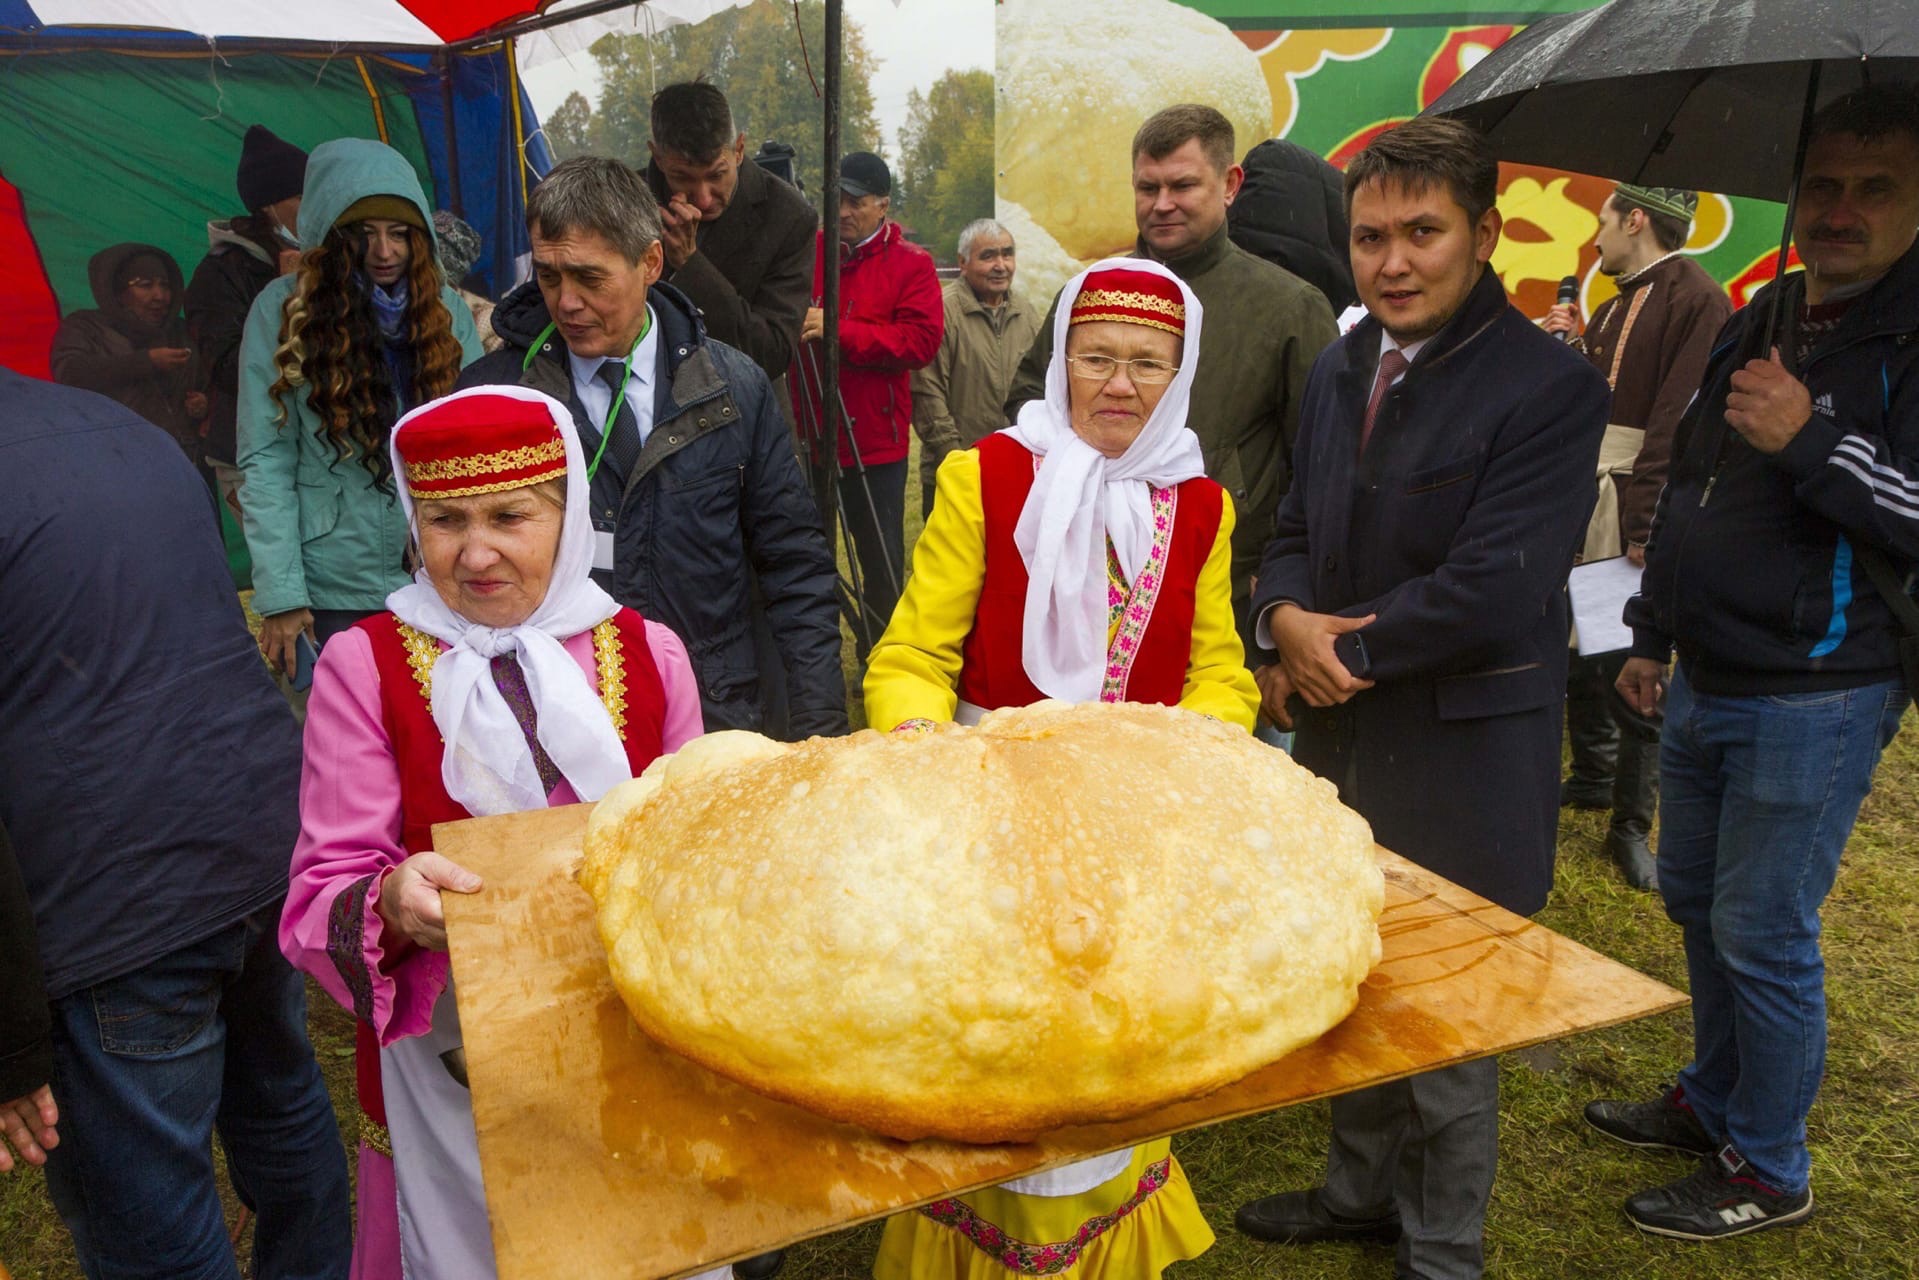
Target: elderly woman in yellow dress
(1080, 554)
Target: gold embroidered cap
(473, 444)
(1131, 297)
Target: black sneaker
(1720, 1198)
(1664, 1123)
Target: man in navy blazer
(1414, 600)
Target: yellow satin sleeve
(913, 672)
(1217, 681)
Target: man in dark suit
(1415, 598)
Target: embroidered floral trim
(612, 666)
(1115, 589)
(918, 725)
(422, 651)
(1140, 599)
(374, 1136)
(1026, 1259)
(480, 464)
(1625, 330)
(346, 943)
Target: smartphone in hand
(305, 655)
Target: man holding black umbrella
(1789, 524)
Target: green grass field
(1555, 1212)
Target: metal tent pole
(826, 461)
(455, 201)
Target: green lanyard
(613, 414)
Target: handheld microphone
(1568, 295)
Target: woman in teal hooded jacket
(331, 357)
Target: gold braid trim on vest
(422, 651)
(612, 665)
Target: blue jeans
(147, 1067)
(1759, 795)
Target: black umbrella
(1712, 95)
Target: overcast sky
(914, 42)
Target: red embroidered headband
(1131, 297)
(479, 444)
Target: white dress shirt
(1262, 630)
(597, 398)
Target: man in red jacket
(891, 322)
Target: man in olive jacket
(959, 399)
(1264, 326)
(738, 241)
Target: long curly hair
(330, 345)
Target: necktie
(623, 448)
(1391, 364)
(510, 680)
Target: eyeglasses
(1102, 368)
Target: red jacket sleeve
(910, 337)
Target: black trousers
(1608, 764)
(878, 528)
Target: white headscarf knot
(488, 767)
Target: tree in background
(570, 127)
(754, 55)
(945, 176)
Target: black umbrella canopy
(1701, 94)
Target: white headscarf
(1081, 498)
(488, 767)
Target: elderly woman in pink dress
(501, 679)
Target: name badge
(603, 550)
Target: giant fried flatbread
(1068, 914)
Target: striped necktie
(1392, 363)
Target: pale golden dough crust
(1068, 914)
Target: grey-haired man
(960, 398)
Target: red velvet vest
(629, 685)
(1152, 649)
(405, 663)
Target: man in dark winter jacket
(149, 778)
(1415, 595)
(1789, 521)
(738, 241)
(244, 254)
(133, 347)
(696, 492)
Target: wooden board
(606, 1156)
